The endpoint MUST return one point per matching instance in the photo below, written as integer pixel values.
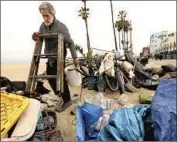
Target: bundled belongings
(169, 68)
(107, 65)
(128, 68)
(46, 127)
(12, 86)
(173, 74)
(143, 61)
(144, 78)
(129, 57)
(163, 111)
(19, 87)
(126, 124)
(52, 100)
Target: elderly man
(52, 25)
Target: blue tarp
(124, 124)
(86, 116)
(163, 111)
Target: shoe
(63, 107)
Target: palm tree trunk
(87, 33)
(88, 39)
(122, 39)
(131, 40)
(119, 40)
(127, 39)
(112, 14)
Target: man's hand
(75, 61)
(36, 36)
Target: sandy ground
(19, 72)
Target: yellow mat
(12, 106)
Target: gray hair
(47, 6)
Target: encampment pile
(23, 116)
(156, 122)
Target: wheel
(120, 80)
(112, 82)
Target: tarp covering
(86, 116)
(125, 124)
(163, 111)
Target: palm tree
(112, 14)
(121, 17)
(126, 29)
(84, 12)
(122, 26)
(119, 28)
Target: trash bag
(140, 71)
(125, 124)
(19, 85)
(143, 61)
(163, 111)
(169, 68)
(5, 82)
(148, 125)
(151, 84)
(87, 115)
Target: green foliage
(122, 23)
(84, 12)
(79, 48)
(89, 54)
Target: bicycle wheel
(120, 80)
(112, 82)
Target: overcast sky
(20, 19)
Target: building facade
(168, 47)
(156, 40)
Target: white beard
(48, 23)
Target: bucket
(73, 77)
